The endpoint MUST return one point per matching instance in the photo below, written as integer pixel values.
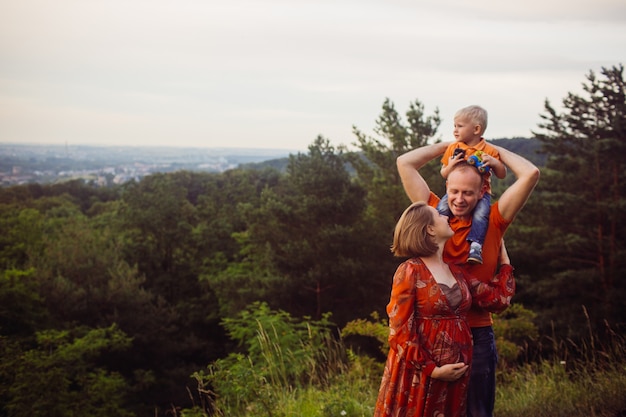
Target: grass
(580, 380)
(585, 379)
(549, 390)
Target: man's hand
(450, 372)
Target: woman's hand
(450, 372)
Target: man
(464, 189)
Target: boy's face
(465, 131)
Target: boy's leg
(480, 223)
(480, 220)
(444, 208)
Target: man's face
(464, 188)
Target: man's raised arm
(527, 176)
(408, 165)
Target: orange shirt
(457, 247)
(469, 150)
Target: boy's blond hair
(475, 114)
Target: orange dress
(425, 332)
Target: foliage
(22, 309)
(280, 354)
(585, 379)
(168, 258)
(583, 258)
(292, 367)
(514, 329)
(374, 327)
(308, 236)
(548, 390)
(376, 164)
(579, 380)
(68, 363)
(376, 172)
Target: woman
(427, 369)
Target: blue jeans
(480, 217)
(481, 396)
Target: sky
(278, 73)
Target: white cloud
(278, 72)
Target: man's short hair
(466, 169)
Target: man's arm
(408, 165)
(527, 174)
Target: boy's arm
(408, 165)
(527, 176)
(496, 165)
(446, 168)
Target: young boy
(469, 126)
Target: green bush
(60, 376)
(279, 355)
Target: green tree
(375, 164)
(164, 224)
(21, 234)
(580, 201)
(22, 310)
(61, 375)
(309, 231)
(276, 354)
(376, 172)
(159, 219)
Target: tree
(62, 375)
(376, 173)
(22, 310)
(159, 219)
(376, 163)
(310, 232)
(581, 201)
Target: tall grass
(319, 377)
(547, 389)
(582, 379)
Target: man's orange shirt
(457, 248)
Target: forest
(160, 296)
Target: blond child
(470, 124)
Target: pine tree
(581, 201)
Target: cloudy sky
(277, 73)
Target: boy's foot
(475, 255)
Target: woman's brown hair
(410, 237)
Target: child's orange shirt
(469, 150)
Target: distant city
(111, 165)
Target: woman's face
(440, 228)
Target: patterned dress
(425, 332)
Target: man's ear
(430, 229)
